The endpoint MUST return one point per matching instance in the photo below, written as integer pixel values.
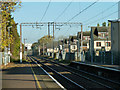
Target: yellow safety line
(36, 78)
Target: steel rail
(93, 75)
(76, 84)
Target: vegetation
(9, 35)
(109, 24)
(104, 24)
(98, 25)
(45, 40)
(15, 46)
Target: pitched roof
(74, 37)
(118, 20)
(100, 29)
(87, 33)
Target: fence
(103, 58)
(4, 58)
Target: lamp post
(78, 47)
(81, 42)
(39, 49)
(9, 44)
(43, 48)
(24, 48)
(20, 43)
(53, 40)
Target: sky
(33, 12)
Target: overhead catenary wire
(103, 17)
(63, 11)
(45, 11)
(101, 12)
(83, 10)
(79, 12)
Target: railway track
(101, 80)
(69, 78)
(67, 83)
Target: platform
(107, 71)
(26, 75)
(102, 66)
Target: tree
(45, 40)
(5, 9)
(15, 45)
(104, 24)
(109, 24)
(98, 25)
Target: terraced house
(103, 40)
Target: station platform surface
(109, 67)
(26, 76)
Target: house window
(108, 44)
(98, 44)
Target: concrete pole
(43, 48)
(91, 46)
(9, 46)
(53, 29)
(5, 56)
(39, 49)
(48, 29)
(112, 55)
(53, 40)
(5, 50)
(78, 48)
(24, 48)
(58, 49)
(81, 44)
(20, 43)
(63, 47)
(53, 49)
(69, 47)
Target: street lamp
(24, 48)
(9, 44)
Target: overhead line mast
(42, 24)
